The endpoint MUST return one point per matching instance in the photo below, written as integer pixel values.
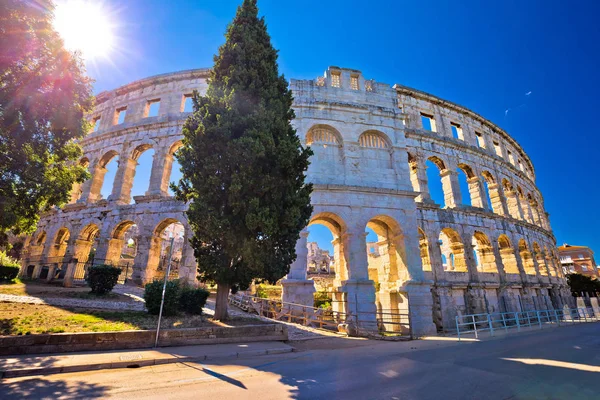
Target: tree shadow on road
(38, 388)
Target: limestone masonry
(490, 249)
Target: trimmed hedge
(153, 295)
(103, 278)
(178, 298)
(8, 272)
(192, 300)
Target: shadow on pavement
(37, 388)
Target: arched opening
(424, 250)
(525, 207)
(434, 167)
(507, 253)
(464, 187)
(541, 259)
(387, 268)
(327, 145)
(37, 243)
(327, 231)
(453, 251)
(122, 246)
(492, 192)
(143, 157)
(485, 258)
(59, 245)
(550, 262)
(526, 258)
(375, 150)
(107, 171)
(167, 242)
(320, 259)
(86, 243)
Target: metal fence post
(539, 319)
(489, 318)
(475, 326)
(518, 322)
(457, 328)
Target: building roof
(567, 247)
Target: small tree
(44, 94)
(243, 165)
(579, 283)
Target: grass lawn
(27, 319)
(47, 290)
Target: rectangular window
(428, 122)
(480, 141)
(498, 149)
(581, 256)
(96, 124)
(354, 82)
(520, 165)
(511, 159)
(336, 79)
(152, 108)
(187, 104)
(457, 132)
(584, 268)
(120, 115)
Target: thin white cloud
(528, 93)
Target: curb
(20, 372)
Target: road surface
(554, 363)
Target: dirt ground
(50, 290)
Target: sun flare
(86, 26)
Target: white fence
(478, 323)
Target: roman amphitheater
(486, 249)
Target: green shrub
(268, 291)
(153, 295)
(103, 278)
(192, 300)
(322, 300)
(9, 267)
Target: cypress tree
(243, 165)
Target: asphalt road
(555, 363)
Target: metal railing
(385, 322)
(479, 323)
(82, 267)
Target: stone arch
(540, 258)
(117, 241)
(84, 244)
(59, 244)
(453, 250)
(162, 169)
(551, 262)
(160, 243)
(141, 158)
(485, 258)
(76, 191)
(37, 244)
(507, 254)
(375, 150)
(525, 207)
(472, 182)
(323, 134)
(526, 257)
(98, 182)
(337, 227)
(435, 181)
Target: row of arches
(439, 183)
(146, 169)
(488, 256)
(146, 253)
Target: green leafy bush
(268, 291)
(192, 300)
(322, 300)
(103, 278)
(153, 295)
(9, 267)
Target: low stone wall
(69, 342)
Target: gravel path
(66, 302)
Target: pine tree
(243, 165)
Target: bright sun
(85, 25)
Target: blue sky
(483, 55)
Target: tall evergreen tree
(243, 165)
(44, 94)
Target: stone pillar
(498, 204)
(121, 192)
(451, 187)
(188, 268)
(70, 274)
(470, 259)
(295, 287)
(595, 306)
(91, 188)
(146, 259)
(514, 208)
(162, 165)
(418, 178)
(476, 300)
(477, 192)
(420, 305)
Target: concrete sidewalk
(15, 366)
